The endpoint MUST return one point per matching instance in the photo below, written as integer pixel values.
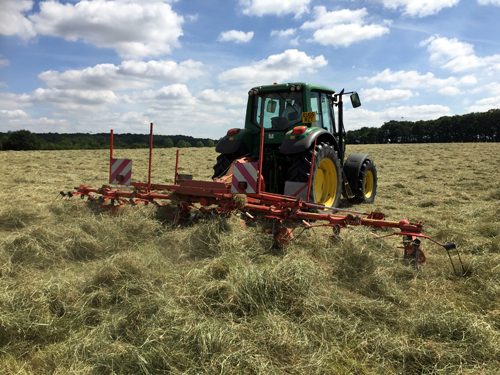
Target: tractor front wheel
(367, 184)
(326, 183)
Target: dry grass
(83, 292)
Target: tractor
(298, 121)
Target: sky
(187, 65)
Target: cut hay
(239, 200)
(86, 292)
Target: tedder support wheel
(326, 185)
(223, 163)
(367, 184)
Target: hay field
(82, 292)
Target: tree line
(26, 140)
(472, 127)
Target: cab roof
(286, 86)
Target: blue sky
(187, 65)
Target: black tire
(367, 184)
(223, 163)
(329, 175)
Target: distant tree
(210, 143)
(65, 144)
(22, 140)
(139, 145)
(200, 144)
(182, 144)
(168, 143)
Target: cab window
(315, 108)
(326, 112)
(277, 110)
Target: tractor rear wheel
(367, 184)
(223, 163)
(326, 183)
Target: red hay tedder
(242, 189)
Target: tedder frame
(243, 190)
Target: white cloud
(485, 104)
(4, 63)
(376, 94)
(419, 8)
(359, 117)
(16, 114)
(458, 56)
(176, 93)
(236, 36)
(491, 88)
(133, 29)
(276, 68)
(488, 2)
(18, 119)
(73, 99)
(68, 99)
(12, 19)
(129, 74)
(274, 7)
(175, 104)
(413, 79)
(343, 27)
(283, 33)
(225, 98)
(10, 100)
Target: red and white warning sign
(121, 171)
(244, 178)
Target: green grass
(83, 292)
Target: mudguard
(352, 167)
(295, 146)
(230, 147)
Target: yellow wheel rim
(368, 184)
(325, 183)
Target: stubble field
(83, 292)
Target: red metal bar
(311, 171)
(111, 156)
(176, 166)
(150, 154)
(261, 156)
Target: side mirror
(271, 106)
(355, 100)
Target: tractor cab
(277, 110)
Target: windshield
(277, 110)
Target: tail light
(232, 132)
(299, 129)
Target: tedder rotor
(242, 190)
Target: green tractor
(298, 121)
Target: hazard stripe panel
(121, 171)
(245, 172)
